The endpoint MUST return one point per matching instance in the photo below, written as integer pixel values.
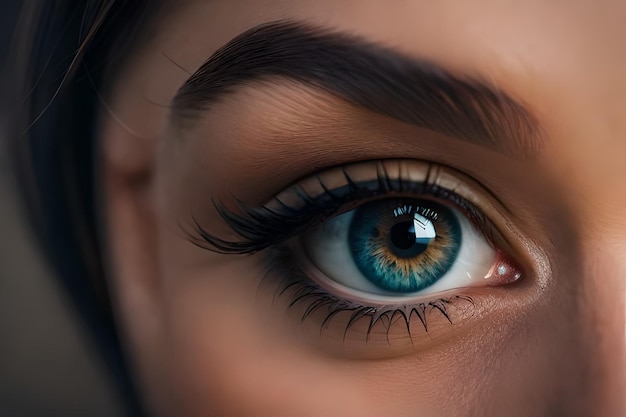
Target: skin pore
(208, 333)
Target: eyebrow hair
(368, 75)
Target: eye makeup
(377, 243)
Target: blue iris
(404, 245)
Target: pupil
(405, 242)
(403, 235)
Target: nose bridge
(603, 311)
(593, 182)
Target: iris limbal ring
(403, 246)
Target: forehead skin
(565, 61)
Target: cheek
(228, 352)
(226, 356)
(603, 302)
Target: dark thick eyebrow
(368, 75)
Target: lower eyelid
(346, 329)
(308, 271)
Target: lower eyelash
(302, 289)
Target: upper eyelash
(262, 227)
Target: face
(342, 208)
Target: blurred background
(48, 367)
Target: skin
(204, 334)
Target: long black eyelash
(263, 227)
(302, 290)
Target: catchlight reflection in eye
(396, 249)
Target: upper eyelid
(252, 222)
(327, 179)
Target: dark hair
(59, 54)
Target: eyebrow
(367, 75)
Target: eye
(365, 244)
(396, 249)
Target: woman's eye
(373, 242)
(393, 249)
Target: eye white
(327, 252)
